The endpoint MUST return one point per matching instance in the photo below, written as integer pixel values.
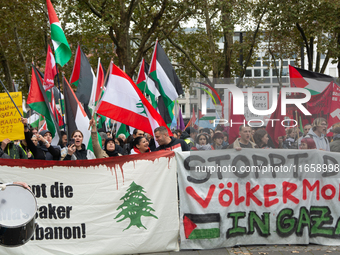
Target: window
(257, 72)
(266, 72)
(285, 72)
(193, 106)
(257, 63)
(285, 63)
(193, 93)
(249, 73)
(182, 107)
(275, 72)
(292, 63)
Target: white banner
(118, 205)
(227, 198)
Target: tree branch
(94, 10)
(189, 59)
(305, 41)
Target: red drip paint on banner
(110, 163)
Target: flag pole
(106, 76)
(11, 98)
(61, 107)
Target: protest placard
(10, 119)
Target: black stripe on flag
(71, 106)
(203, 218)
(164, 61)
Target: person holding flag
(44, 150)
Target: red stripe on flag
(125, 116)
(51, 13)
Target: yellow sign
(10, 120)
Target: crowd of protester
(37, 145)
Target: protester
(290, 142)
(189, 135)
(3, 154)
(212, 132)
(202, 143)
(306, 129)
(167, 142)
(244, 140)
(225, 139)
(218, 141)
(77, 150)
(109, 134)
(63, 139)
(109, 148)
(34, 131)
(261, 139)
(12, 149)
(307, 143)
(140, 145)
(119, 141)
(128, 146)
(123, 137)
(103, 137)
(335, 145)
(43, 150)
(24, 147)
(34, 140)
(317, 132)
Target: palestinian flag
(83, 78)
(124, 102)
(43, 127)
(38, 101)
(50, 70)
(122, 129)
(314, 82)
(167, 82)
(146, 85)
(201, 226)
(76, 118)
(34, 120)
(62, 49)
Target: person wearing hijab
(110, 149)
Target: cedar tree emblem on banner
(135, 205)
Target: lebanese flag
(124, 102)
(50, 70)
(276, 129)
(314, 82)
(234, 131)
(61, 47)
(76, 117)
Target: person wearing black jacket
(167, 142)
(44, 150)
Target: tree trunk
(228, 34)
(211, 39)
(22, 57)
(325, 63)
(7, 71)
